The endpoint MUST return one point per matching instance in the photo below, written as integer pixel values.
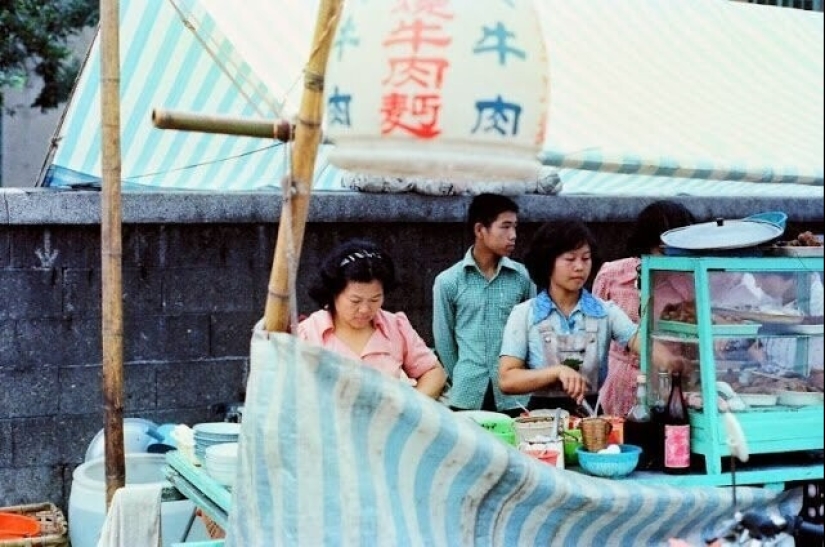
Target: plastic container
(572, 441)
(138, 434)
(610, 465)
(13, 526)
(546, 455)
(497, 423)
(774, 217)
(87, 499)
(531, 428)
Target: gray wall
(195, 270)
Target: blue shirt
(522, 339)
(469, 313)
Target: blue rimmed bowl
(611, 466)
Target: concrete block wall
(188, 308)
(195, 270)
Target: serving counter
(215, 500)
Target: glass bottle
(658, 408)
(676, 430)
(638, 424)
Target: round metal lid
(722, 234)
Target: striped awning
(705, 97)
(335, 453)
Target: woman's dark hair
(358, 260)
(552, 240)
(654, 220)
(485, 208)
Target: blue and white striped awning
(705, 97)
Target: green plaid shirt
(469, 314)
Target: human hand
(573, 383)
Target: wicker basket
(53, 528)
(212, 527)
(595, 432)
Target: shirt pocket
(503, 306)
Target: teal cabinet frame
(775, 430)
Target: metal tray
(800, 398)
(759, 399)
(778, 328)
(726, 329)
(762, 317)
(788, 250)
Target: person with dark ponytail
(618, 281)
(350, 288)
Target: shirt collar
(327, 326)
(503, 262)
(588, 304)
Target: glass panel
(768, 335)
(673, 297)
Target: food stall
(747, 316)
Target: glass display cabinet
(751, 332)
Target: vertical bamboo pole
(307, 136)
(111, 247)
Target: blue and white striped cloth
(333, 453)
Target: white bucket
(87, 501)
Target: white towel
(133, 519)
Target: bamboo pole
(111, 248)
(307, 137)
(224, 125)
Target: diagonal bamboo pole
(307, 137)
(111, 248)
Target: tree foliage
(34, 41)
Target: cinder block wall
(195, 270)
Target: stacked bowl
(212, 433)
(220, 461)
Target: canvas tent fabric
(646, 97)
(360, 458)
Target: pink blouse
(616, 281)
(393, 348)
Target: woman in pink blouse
(618, 281)
(350, 289)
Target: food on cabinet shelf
(685, 312)
(804, 239)
(765, 383)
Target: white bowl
(222, 474)
(222, 451)
(217, 429)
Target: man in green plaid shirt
(472, 300)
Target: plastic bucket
(87, 500)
